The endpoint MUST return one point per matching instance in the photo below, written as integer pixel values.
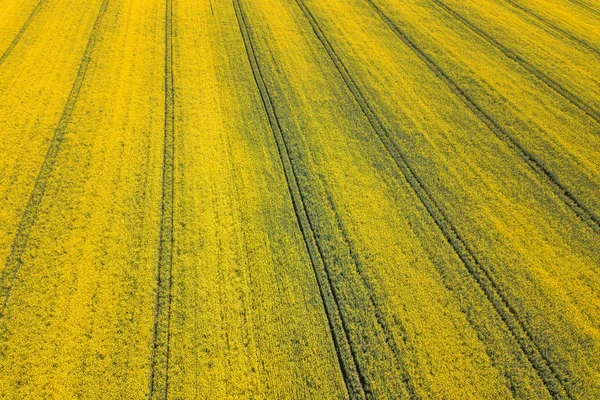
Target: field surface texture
(300, 199)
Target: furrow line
(550, 25)
(557, 87)
(479, 272)
(30, 213)
(531, 160)
(161, 336)
(19, 35)
(356, 383)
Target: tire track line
(545, 175)
(551, 83)
(355, 381)
(28, 218)
(378, 310)
(161, 335)
(478, 271)
(21, 32)
(551, 25)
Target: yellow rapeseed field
(300, 199)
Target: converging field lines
(553, 26)
(298, 199)
(547, 371)
(542, 76)
(532, 161)
(356, 383)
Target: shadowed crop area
(300, 199)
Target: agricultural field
(300, 199)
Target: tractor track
(545, 175)
(481, 274)
(356, 383)
(378, 310)
(30, 213)
(161, 334)
(21, 32)
(551, 83)
(550, 25)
